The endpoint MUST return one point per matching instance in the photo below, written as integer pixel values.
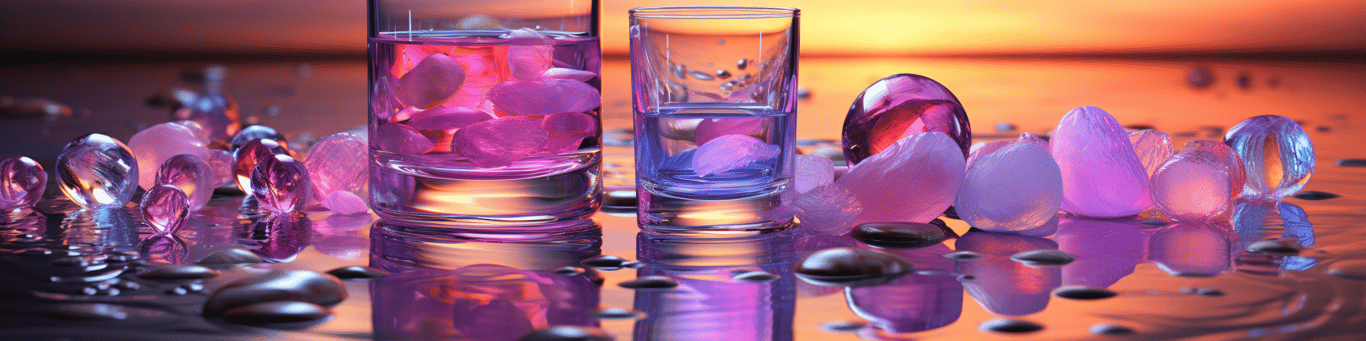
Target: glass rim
(714, 12)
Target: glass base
(664, 213)
(529, 204)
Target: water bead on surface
(22, 182)
(280, 183)
(500, 142)
(337, 163)
(1152, 147)
(251, 154)
(913, 180)
(165, 208)
(256, 132)
(899, 106)
(1015, 188)
(1192, 186)
(432, 81)
(158, 143)
(1276, 154)
(1101, 174)
(191, 175)
(96, 170)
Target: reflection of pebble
(1275, 247)
(1110, 329)
(1352, 163)
(1200, 77)
(1009, 325)
(615, 314)
(357, 273)
(754, 277)
(1352, 269)
(1078, 292)
(605, 262)
(649, 282)
(963, 255)
(1043, 258)
(275, 312)
(842, 326)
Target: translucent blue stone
(1276, 153)
(96, 170)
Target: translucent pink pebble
(1016, 188)
(443, 118)
(343, 202)
(337, 163)
(528, 62)
(1192, 186)
(567, 73)
(96, 170)
(537, 98)
(280, 183)
(246, 158)
(567, 131)
(913, 180)
(22, 182)
(899, 106)
(1101, 175)
(828, 209)
(154, 145)
(191, 175)
(713, 128)
(1152, 147)
(432, 81)
(812, 172)
(729, 152)
(500, 142)
(1238, 176)
(401, 139)
(165, 208)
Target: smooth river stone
(1016, 188)
(851, 267)
(337, 163)
(154, 145)
(913, 180)
(231, 256)
(443, 118)
(431, 82)
(567, 130)
(246, 158)
(191, 175)
(165, 208)
(1276, 153)
(899, 106)
(812, 171)
(500, 142)
(281, 184)
(828, 210)
(22, 182)
(1192, 186)
(1152, 147)
(1102, 176)
(729, 152)
(257, 132)
(277, 285)
(538, 98)
(401, 139)
(1237, 176)
(899, 235)
(96, 170)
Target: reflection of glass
(339, 235)
(1000, 284)
(99, 229)
(1253, 222)
(167, 249)
(1105, 250)
(913, 302)
(1192, 249)
(277, 238)
(395, 246)
(708, 304)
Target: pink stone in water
(222, 164)
(913, 180)
(443, 118)
(251, 154)
(96, 170)
(729, 152)
(712, 128)
(1238, 176)
(570, 74)
(165, 208)
(337, 164)
(191, 175)
(528, 62)
(280, 183)
(550, 96)
(1016, 188)
(343, 202)
(158, 143)
(22, 182)
(1152, 147)
(899, 106)
(1101, 175)
(431, 82)
(567, 130)
(811, 172)
(1193, 186)
(500, 142)
(828, 209)
(401, 139)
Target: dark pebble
(1352, 269)
(171, 272)
(630, 264)
(1008, 325)
(846, 266)
(963, 255)
(1200, 77)
(604, 262)
(616, 314)
(278, 285)
(567, 333)
(1209, 292)
(568, 271)
(275, 312)
(357, 273)
(1352, 163)
(619, 199)
(1315, 195)
(803, 93)
(1043, 258)
(230, 257)
(1275, 247)
(649, 282)
(1244, 80)
(1078, 292)
(1140, 126)
(966, 277)
(899, 235)
(754, 277)
(86, 311)
(1110, 329)
(842, 326)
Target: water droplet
(899, 235)
(177, 291)
(699, 75)
(357, 273)
(1043, 258)
(843, 326)
(722, 74)
(649, 282)
(1009, 325)
(1078, 292)
(742, 64)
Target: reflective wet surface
(1293, 270)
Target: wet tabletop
(1167, 281)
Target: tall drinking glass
(715, 94)
(485, 112)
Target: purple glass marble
(192, 175)
(165, 207)
(1193, 186)
(22, 182)
(899, 106)
(1016, 188)
(158, 143)
(1276, 153)
(246, 158)
(1101, 175)
(96, 170)
(337, 163)
(222, 164)
(256, 132)
(913, 180)
(281, 183)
